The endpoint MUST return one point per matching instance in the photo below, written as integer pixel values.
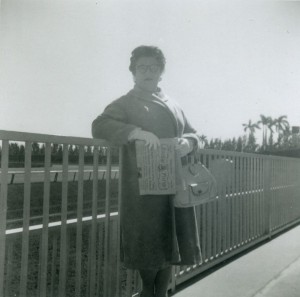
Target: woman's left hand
(184, 146)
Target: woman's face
(147, 73)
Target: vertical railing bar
(45, 232)
(118, 276)
(229, 182)
(215, 221)
(100, 284)
(224, 211)
(9, 268)
(254, 193)
(233, 191)
(230, 207)
(209, 219)
(245, 199)
(240, 189)
(248, 196)
(251, 199)
(255, 198)
(219, 227)
(274, 197)
(261, 186)
(53, 263)
(94, 221)
(237, 190)
(220, 212)
(79, 222)
(259, 194)
(63, 233)
(3, 210)
(228, 211)
(244, 181)
(198, 220)
(203, 229)
(286, 191)
(40, 254)
(209, 229)
(114, 264)
(26, 220)
(280, 196)
(89, 264)
(290, 182)
(276, 194)
(288, 215)
(107, 275)
(267, 196)
(238, 198)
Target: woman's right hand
(151, 140)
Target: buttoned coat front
(154, 233)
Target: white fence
(70, 247)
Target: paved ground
(272, 270)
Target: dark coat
(154, 233)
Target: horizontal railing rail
(60, 231)
(78, 219)
(56, 175)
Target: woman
(154, 234)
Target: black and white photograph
(149, 148)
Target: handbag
(195, 184)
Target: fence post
(3, 211)
(267, 194)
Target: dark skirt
(156, 235)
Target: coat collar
(139, 93)
(159, 98)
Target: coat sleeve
(112, 125)
(190, 132)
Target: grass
(14, 242)
(16, 199)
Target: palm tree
(251, 127)
(203, 139)
(271, 123)
(264, 121)
(281, 126)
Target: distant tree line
(276, 137)
(17, 154)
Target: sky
(62, 62)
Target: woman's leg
(162, 282)
(148, 278)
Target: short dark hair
(147, 51)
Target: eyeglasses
(143, 68)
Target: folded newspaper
(156, 168)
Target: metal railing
(67, 241)
(74, 253)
